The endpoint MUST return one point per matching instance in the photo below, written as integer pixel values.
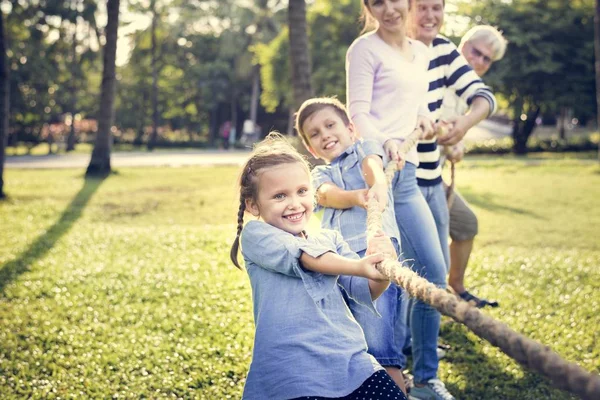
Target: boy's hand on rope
(367, 267)
(379, 192)
(380, 243)
(361, 197)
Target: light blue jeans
(435, 196)
(421, 248)
(387, 334)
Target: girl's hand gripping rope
(380, 243)
(367, 266)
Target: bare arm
(332, 196)
(372, 167)
(334, 264)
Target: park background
(115, 282)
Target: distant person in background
(248, 133)
(232, 136)
(225, 132)
(481, 46)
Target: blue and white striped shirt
(448, 69)
(346, 173)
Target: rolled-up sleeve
(270, 248)
(320, 175)
(372, 147)
(275, 250)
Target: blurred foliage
(208, 51)
(549, 62)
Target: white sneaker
(433, 390)
(441, 353)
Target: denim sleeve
(372, 147)
(356, 287)
(277, 251)
(273, 249)
(320, 175)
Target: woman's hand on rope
(426, 126)
(392, 149)
(380, 243)
(379, 191)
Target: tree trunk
(141, 129)
(562, 122)
(213, 126)
(4, 99)
(234, 117)
(255, 93)
(522, 130)
(74, 65)
(299, 54)
(100, 162)
(300, 62)
(154, 135)
(597, 64)
(291, 120)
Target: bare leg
(397, 376)
(460, 251)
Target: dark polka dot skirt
(379, 386)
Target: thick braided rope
(563, 374)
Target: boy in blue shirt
(354, 173)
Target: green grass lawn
(123, 288)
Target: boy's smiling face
(327, 134)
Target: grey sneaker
(433, 390)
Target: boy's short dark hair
(311, 106)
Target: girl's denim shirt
(307, 343)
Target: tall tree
(154, 56)
(100, 161)
(4, 99)
(597, 64)
(299, 53)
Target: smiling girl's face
(285, 197)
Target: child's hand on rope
(380, 243)
(379, 192)
(367, 267)
(361, 197)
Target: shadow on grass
(45, 242)
(488, 377)
(487, 202)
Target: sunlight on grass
(124, 288)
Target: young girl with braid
(307, 344)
